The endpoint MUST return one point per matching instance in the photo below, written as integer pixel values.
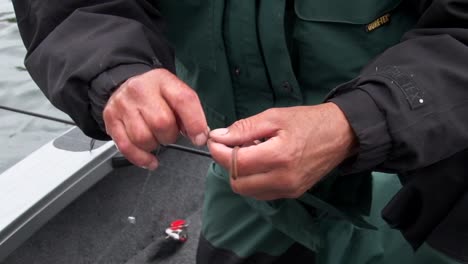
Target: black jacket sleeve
(79, 50)
(409, 110)
(413, 98)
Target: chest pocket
(334, 39)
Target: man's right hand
(151, 109)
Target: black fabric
(70, 43)
(451, 235)
(413, 95)
(431, 196)
(370, 127)
(409, 110)
(296, 254)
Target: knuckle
(133, 82)
(160, 73)
(134, 86)
(142, 138)
(243, 124)
(186, 96)
(108, 112)
(118, 100)
(163, 122)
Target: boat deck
(95, 227)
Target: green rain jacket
(396, 68)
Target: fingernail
(200, 139)
(153, 165)
(219, 132)
(208, 129)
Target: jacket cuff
(370, 128)
(105, 84)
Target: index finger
(184, 101)
(133, 153)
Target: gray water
(20, 135)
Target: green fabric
(230, 223)
(332, 53)
(245, 225)
(251, 86)
(243, 57)
(279, 66)
(317, 203)
(195, 29)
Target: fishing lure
(177, 230)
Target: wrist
(346, 138)
(104, 85)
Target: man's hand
(302, 145)
(151, 109)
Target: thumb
(245, 131)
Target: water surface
(19, 134)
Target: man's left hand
(284, 151)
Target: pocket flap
(342, 11)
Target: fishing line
(140, 195)
(131, 219)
